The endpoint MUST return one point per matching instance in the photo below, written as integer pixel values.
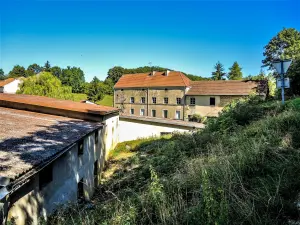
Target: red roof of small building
(158, 79)
(7, 81)
(53, 103)
(222, 87)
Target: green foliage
(95, 90)
(33, 69)
(285, 45)
(45, 84)
(196, 78)
(56, 71)
(197, 118)
(115, 73)
(235, 72)
(77, 97)
(17, 71)
(2, 75)
(47, 67)
(73, 77)
(219, 74)
(107, 100)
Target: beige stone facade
(145, 107)
(168, 102)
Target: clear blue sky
(190, 36)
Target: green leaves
(235, 72)
(219, 74)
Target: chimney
(152, 73)
(167, 73)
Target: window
(154, 100)
(80, 147)
(45, 176)
(96, 136)
(177, 115)
(153, 113)
(131, 99)
(80, 192)
(96, 170)
(165, 113)
(132, 111)
(178, 100)
(143, 100)
(212, 101)
(142, 112)
(166, 100)
(192, 101)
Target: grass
(78, 97)
(107, 100)
(243, 168)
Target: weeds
(243, 168)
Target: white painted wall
(131, 130)
(12, 87)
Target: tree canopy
(45, 84)
(2, 75)
(219, 74)
(196, 78)
(47, 66)
(33, 69)
(73, 77)
(285, 45)
(17, 71)
(235, 72)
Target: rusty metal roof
(28, 139)
(222, 87)
(7, 81)
(53, 103)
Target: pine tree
(235, 72)
(219, 74)
(47, 66)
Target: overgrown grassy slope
(243, 168)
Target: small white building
(10, 85)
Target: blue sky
(190, 36)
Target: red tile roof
(159, 79)
(224, 87)
(7, 81)
(52, 103)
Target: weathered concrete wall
(12, 87)
(203, 106)
(132, 129)
(122, 101)
(110, 133)
(31, 201)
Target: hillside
(243, 168)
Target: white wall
(133, 130)
(12, 87)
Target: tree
(235, 72)
(96, 90)
(33, 69)
(109, 86)
(56, 71)
(115, 73)
(285, 45)
(219, 73)
(47, 66)
(73, 77)
(17, 71)
(2, 75)
(45, 84)
(196, 78)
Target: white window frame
(191, 101)
(131, 99)
(131, 111)
(154, 98)
(142, 110)
(143, 98)
(163, 112)
(178, 101)
(176, 114)
(166, 102)
(152, 112)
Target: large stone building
(172, 95)
(51, 153)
